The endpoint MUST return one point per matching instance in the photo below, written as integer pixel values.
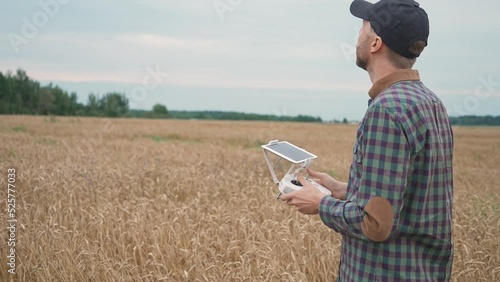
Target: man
(395, 213)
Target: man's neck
(377, 72)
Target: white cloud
(154, 42)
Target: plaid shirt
(402, 156)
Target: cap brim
(360, 8)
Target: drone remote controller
(300, 159)
(289, 184)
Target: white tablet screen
(289, 151)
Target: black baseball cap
(399, 23)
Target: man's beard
(361, 55)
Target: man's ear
(376, 45)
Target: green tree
(25, 93)
(92, 108)
(46, 105)
(62, 101)
(4, 95)
(160, 109)
(114, 105)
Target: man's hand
(338, 189)
(307, 199)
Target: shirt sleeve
(383, 157)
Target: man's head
(400, 25)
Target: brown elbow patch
(378, 221)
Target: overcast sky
(263, 56)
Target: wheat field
(166, 200)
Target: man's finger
(313, 173)
(286, 197)
(301, 179)
(318, 180)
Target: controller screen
(290, 152)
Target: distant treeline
(220, 115)
(20, 95)
(476, 120)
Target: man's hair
(403, 62)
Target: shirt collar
(388, 80)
